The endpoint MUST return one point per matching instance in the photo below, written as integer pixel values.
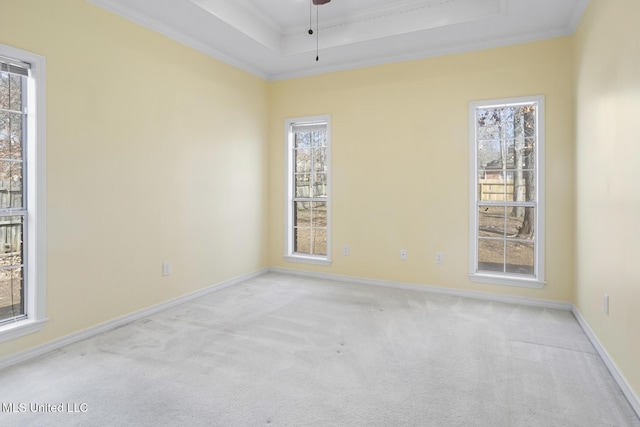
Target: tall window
(308, 177)
(507, 182)
(22, 247)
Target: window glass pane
(302, 140)
(10, 91)
(319, 214)
(521, 222)
(490, 154)
(520, 256)
(303, 159)
(491, 255)
(494, 186)
(302, 214)
(320, 159)
(319, 241)
(320, 185)
(11, 293)
(11, 240)
(520, 153)
(319, 139)
(529, 186)
(10, 184)
(488, 123)
(491, 221)
(11, 278)
(10, 135)
(4, 90)
(529, 118)
(303, 185)
(507, 125)
(514, 220)
(301, 240)
(15, 92)
(510, 152)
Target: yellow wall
(400, 159)
(155, 152)
(607, 65)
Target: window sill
(496, 279)
(308, 259)
(20, 328)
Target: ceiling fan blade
(317, 2)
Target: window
(507, 183)
(22, 198)
(308, 177)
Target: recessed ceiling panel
(286, 31)
(270, 39)
(401, 17)
(247, 20)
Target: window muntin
(507, 235)
(307, 236)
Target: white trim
(538, 279)
(289, 255)
(167, 30)
(417, 55)
(307, 259)
(272, 75)
(496, 279)
(634, 401)
(121, 321)
(20, 328)
(532, 302)
(36, 243)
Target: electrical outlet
(346, 251)
(166, 268)
(403, 254)
(439, 258)
(606, 304)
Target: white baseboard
(533, 302)
(120, 321)
(634, 401)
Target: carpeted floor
(289, 351)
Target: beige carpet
(288, 351)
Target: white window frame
(34, 232)
(289, 254)
(537, 280)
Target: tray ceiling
(270, 38)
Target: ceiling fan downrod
(317, 3)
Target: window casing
(507, 191)
(22, 193)
(307, 236)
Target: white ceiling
(269, 38)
